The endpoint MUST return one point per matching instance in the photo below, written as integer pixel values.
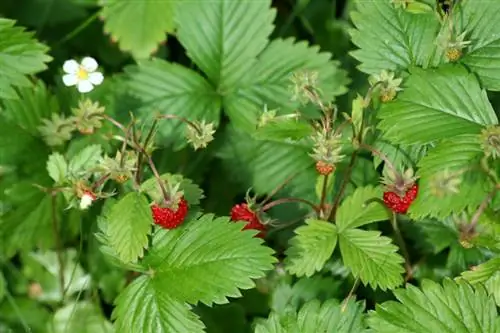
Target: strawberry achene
(401, 204)
(167, 217)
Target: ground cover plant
(249, 166)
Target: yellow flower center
(82, 74)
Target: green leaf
(312, 246)
(353, 212)
(487, 273)
(57, 167)
(85, 160)
(80, 317)
(3, 286)
(129, 224)
(329, 317)
(482, 55)
(192, 192)
(372, 258)
(155, 19)
(269, 81)
(393, 39)
(234, 33)
(147, 306)
(403, 156)
(282, 130)
(454, 154)
(450, 308)
(208, 260)
(20, 55)
(168, 88)
(15, 143)
(436, 104)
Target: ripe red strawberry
(169, 218)
(400, 204)
(324, 168)
(242, 212)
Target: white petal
(70, 80)
(71, 66)
(89, 64)
(84, 86)
(86, 201)
(96, 78)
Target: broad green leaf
(208, 260)
(234, 33)
(57, 167)
(147, 306)
(155, 18)
(3, 286)
(436, 104)
(283, 130)
(400, 155)
(311, 247)
(482, 55)
(79, 317)
(329, 317)
(454, 154)
(450, 308)
(15, 143)
(269, 81)
(353, 212)
(85, 160)
(20, 55)
(192, 192)
(35, 315)
(33, 103)
(372, 258)
(487, 273)
(166, 88)
(129, 224)
(393, 39)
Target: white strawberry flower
(86, 200)
(83, 75)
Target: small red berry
(241, 212)
(169, 218)
(401, 204)
(324, 168)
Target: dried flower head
(327, 147)
(267, 116)
(57, 130)
(490, 141)
(200, 134)
(305, 87)
(88, 116)
(453, 44)
(388, 84)
(398, 183)
(121, 167)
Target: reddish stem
(288, 200)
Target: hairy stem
(351, 293)
(402, 246)
(343, 185)
(279, 188)
(287, 200)
(323, 194)
(475, 218)
(58, 241)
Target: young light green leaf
(393, 39)
(329, 317)
(208, 260)
(450, 308)
(436, 104)
(173, 89)
(57, 167)
(129, 224)
(146, 306)
(454, 154)
(311, 247)
(79, 317)
(20, 55)
(235, 32)
(372, 258)
(156, 18)
(354, 212)
(85, 160)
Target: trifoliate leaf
(33, 103)
(454, 154)
(122, 19)
(312, 246)
(20, 55)
(166, 88)
(450, 308)
(235, 32)
(146, 306)
(436, 104)
(481, 57)
(393, 39)
(79, 317)
(353, 212)
(85, 160)
(372, 258)
(192, 192)
(57, 167)
(129, 224)
(329, 317)
(208, 260)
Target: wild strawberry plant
(238, 179)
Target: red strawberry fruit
(400, 204)
(167, 217)
(241, 212)
(324, 168)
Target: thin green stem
(343, 185)
(288, 200)
(59, 245)
(79, 28)
(16, 309)
(323, 194)
(402, 246)
(477, 215)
